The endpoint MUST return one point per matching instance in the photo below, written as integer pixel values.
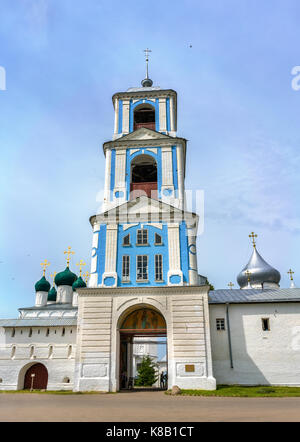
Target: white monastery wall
(259, 357)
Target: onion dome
(42, 285)
(260, 273)
(52, 295)
(79, 283)
(147, 82)
(65, 278)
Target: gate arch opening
(143, 332)
(36, 377)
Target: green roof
(78, 283)
(52, 294)
(42, 285)
(65, 278)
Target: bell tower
(154, 241)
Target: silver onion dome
(262, 275)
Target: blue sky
(64, 59)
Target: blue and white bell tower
(144, 237)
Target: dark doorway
(40, 379)
(144, 117)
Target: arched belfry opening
(143, 333)
(143, 177)
(144, 116)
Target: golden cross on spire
(86, 276)
(253, 236)
(68, 252)
(53, 277)
(230, 285)
(81, 263)
(247, 273)
(290, 272)
(45, 264)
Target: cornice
(119, 143)
(145, 94)
(138, 291)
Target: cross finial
(68, 252)
(53, 277)
(81, 263)
(253, 236)
(147, 59)
(290, 272)
(86, 276)
(230, 285)
(45, 264)
(248, 274)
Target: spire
(253, 236)
(147, 82)
(290, 272)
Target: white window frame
(147, 268)
(220, 324)
(126, 266)
(155, 242)
(142, 233)
(123, 243)
(156, 263)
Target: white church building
(144, 283)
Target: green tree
(146, 373)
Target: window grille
(158, 268)
(142, 237)
(142, 268)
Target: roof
(244, 296)
(54, 306)
(47, 322)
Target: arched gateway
(139, 330)
(36, 377)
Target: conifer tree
(146, 373)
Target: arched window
(143, 177)
(69, 351)
(144, 116)
(50, 351)
(32, 351)
(13, 332)
(13, 352)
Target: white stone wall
(55, 351)
(98, 343)
(259, 357)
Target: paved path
(144, 407)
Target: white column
(174, 255)
(116, 128)
(192, 250)
(172, 122)
(107, 179)
(120, 171)
(93, 281)
(126, 105)
(180, 175)
(111, 254)
(162, 115)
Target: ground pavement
(144, 406)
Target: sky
(230, 63)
